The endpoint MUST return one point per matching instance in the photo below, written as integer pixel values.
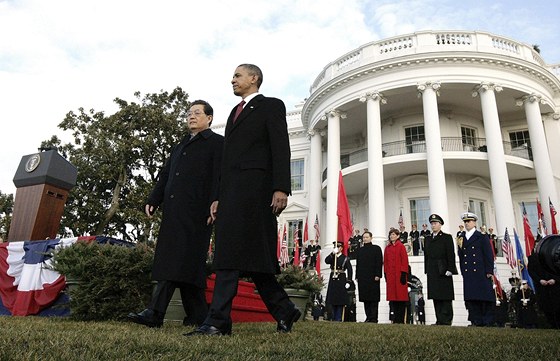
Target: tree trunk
(114, 204)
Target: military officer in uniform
(477, 267)
(439, 265)
(337, 295)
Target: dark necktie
(238, 110)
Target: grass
(37, 338)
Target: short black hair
(254, 70)
(368, 232)
(208, 110)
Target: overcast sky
(59, 55)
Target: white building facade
(431, 122)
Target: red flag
(279, 247)
(305, 233)
(343, 214)
(296, 246)
(552, 217)
(542, 224)
(318, 262)
(529, 238)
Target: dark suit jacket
(369, 264)
(187, 185)
(439, 256)
(475, 261)
(256, 162)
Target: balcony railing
(448, 144)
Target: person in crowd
(423, 234)
(415, 237)
(186, 186)
(369, 268)
(502, 310)
(395, 267)
(420, 309)
(460, 231)
(253, 191)
(341, 271)
(476, 261)
(547, 288)
(493, 240)
(355, 243)
(403, 235)
(313, 249)
(526, 315)
(439, 266)
(318, 308)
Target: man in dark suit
(369, 269)
(254, 189)
(439, 265)
(476, 261)
(187, 185)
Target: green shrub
(112, 280)
(299, 278)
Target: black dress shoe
(147, 317)
(208, 330)
(285, 326)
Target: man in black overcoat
(187, 185)
(547, 288)
(439, 265)
(369, 269)
(254, 189)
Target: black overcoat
(255, 164)
(476, 260)
(439, 256)
(187, 185)
(369, 264)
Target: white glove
(448, 273)
(347, 286)
(335, 250)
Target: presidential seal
(32, 163)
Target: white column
(333, 167)
(436, 172)
(376, 186)
(501, 193)
(314, 181)
(541, 158)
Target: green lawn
(35, 338)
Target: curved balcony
(448, 144)
(428, 42)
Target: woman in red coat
(395, 264)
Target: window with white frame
(478, 207)
(419, 211)
(297, 167)
(468, 138)
(415, 139)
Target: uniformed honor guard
(477, 267)
(337, 295)
(439, 265)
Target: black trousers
(273, 295)
(193, 298)
(481, 313)
(444, 312)
(372, 311)
(398, 309)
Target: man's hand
(279, 202)
(376, 278)
(149, 209)
(213, 212)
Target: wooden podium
(43, 181)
